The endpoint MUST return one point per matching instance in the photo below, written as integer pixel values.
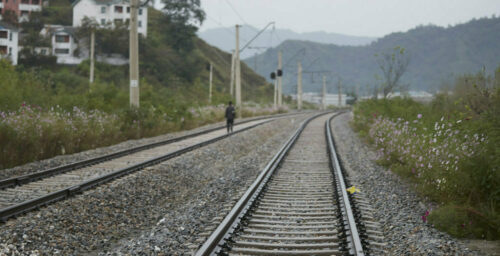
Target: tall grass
(46, 113)
(450, 150)
(32, 133)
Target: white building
(63, 42)
(421, 96)
(330, 99)
(9, 42)
(108, 13)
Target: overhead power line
(236, 12)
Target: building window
(3, 49)
(35, 2)
(62, 39)
(3, 34)
(118, 21)
(103, 9)
(140, 11)
(103, 22)
(10, 50)
(128, 9)
(139, 24)
(10, 36)
(43, 52)
(61, 51)
(25, 1)
(118, 9)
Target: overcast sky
(353, 17)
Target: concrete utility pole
(299, 85)
(280, 86)
(134, 55)
(92, 43)
(231, 85)
(340, 93)
(238, 72)
(210, 85)
(323, 98)
(275, 93)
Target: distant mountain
(437, 55)
(223, 38)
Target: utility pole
(231, 85)
(280, 86)
(299, 85)
(92, 43)
(323, 98)
(210, 85)
(134, 55)
(238, 72)
(340, 93)
(275, 93)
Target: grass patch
(450, 150)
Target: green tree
(32, 39)
(184, 11)
(10, 17)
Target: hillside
(172, 63)
(437, 54)
(64, 114)
(223, 38)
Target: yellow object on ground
(353, 190)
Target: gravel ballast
(159, 210)
(397, 207)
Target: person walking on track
(230, 113)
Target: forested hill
(437, 54)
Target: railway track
(297, 206)
(22, 194)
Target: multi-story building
(108, 13)
(9, 42)
(63, 42)
(22, 8)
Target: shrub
(449, 148)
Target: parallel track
(297, 205)
(32, 191)
(24, 179)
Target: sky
(374, 18)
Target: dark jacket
(230, 113)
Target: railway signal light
(273, 75)
(279, 72)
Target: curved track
(297, 206)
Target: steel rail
(215, 243)
(24, 179)
(355, 246)
(62, 194)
